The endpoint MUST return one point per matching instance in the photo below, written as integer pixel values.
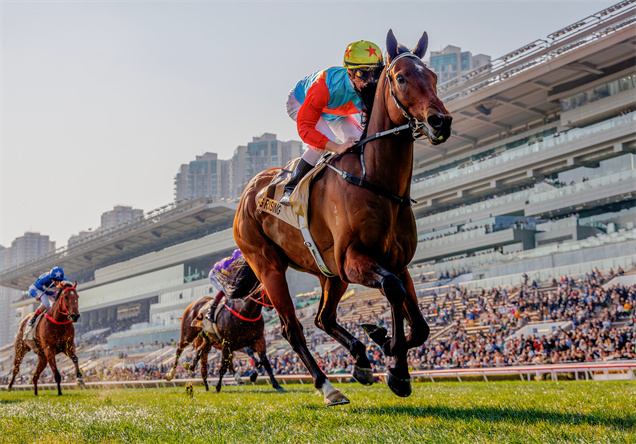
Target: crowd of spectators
(469, 329)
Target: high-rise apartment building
(118, 216)
(207, 176)
(23, 249)
(260, 154)
(452, 62)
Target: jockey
(221, 270)
(44, 290)
(323, 104)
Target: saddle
(201, 321)
(296, 214)
(28, 334)
(268, 198)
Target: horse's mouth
(74, 317)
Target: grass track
(473, 412)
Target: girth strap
(355, 180)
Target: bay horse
(241, 328)
(361, 222)
(54, 334)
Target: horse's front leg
(50, 356)
(78, 373)
(332, 291)
(364, 270)
(226, 362)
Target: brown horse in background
(54, 334)
(241, 328)
(365, 234)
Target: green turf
(473, 412)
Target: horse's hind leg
(204, 363)
(173, 370)
(419, 328)
(332, 291)
(261, 349)
(363, 270)
(21, 349)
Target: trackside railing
(626, 370)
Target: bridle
(63, 309)
(418, 128)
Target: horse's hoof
(336, 398)
(363, 375)
(218, 389)
(279, 389)
(399, 386)
(375, 332)
(253, 377)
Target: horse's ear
(75, 284)
(391, 45)
(422, 46)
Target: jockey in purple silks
(220, 270)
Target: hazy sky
(101, 102)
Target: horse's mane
(241, 280)
(368, 97)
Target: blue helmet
(57, 273)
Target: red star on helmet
(371, 51)
(348, 52)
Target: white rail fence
(623, 370)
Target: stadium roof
(157, 229)
(495, 100)
(487, 104)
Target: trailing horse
(54, 334)
(361, 222)
(240, 325)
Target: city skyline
(103, 102)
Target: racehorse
(54, 334)
(240, 326)
(361, 222)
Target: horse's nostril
(435, 121)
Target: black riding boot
(301, 169)
(212, 313)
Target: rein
(61, 310)
(261, 301)
(239, 315)
(418, 130)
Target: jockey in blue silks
(45, 289)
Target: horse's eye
(400, 79)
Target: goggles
(368, 74)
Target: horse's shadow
(501, 414)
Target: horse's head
(413, 90)
(68, 302)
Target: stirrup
(285, 199)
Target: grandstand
(537, 178)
